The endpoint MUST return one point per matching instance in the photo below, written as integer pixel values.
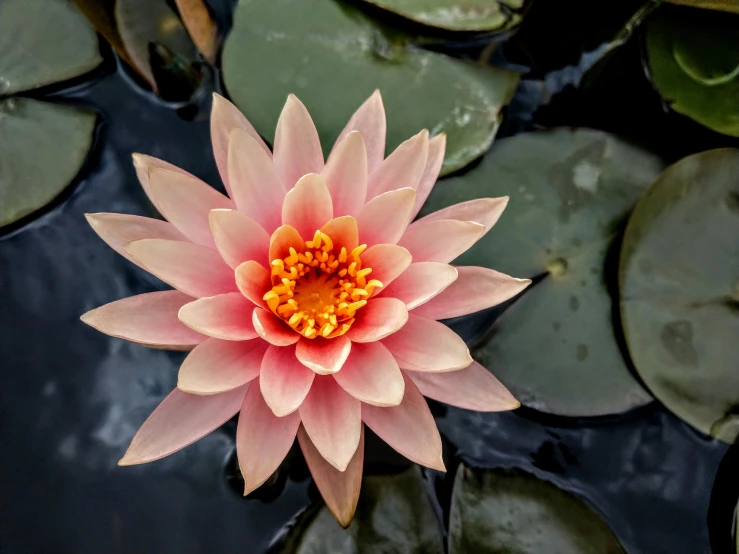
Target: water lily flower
(308, 299)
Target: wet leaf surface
(42, 147)
(333, 57)
(509, 511)
(693, 59)
(679, 286)
(556, 348)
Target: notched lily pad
(43, 42)
(394, 514)
(42, 147)
(333, 57)
(694, 62)
(679, 286)
(506, 511)
(570, 193)
(455, 15)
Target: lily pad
(512, 512)
(43, 42)
(333, 57)
(454, 15)
(394, 514)
(679, 284)
(556, 348)
(694, 62)
(42, 147)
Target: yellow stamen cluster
(318, 291)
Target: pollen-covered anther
(319, 290)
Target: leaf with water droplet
(42, 147)
(332, 56)
(570, 193)
(679, 318)
(43, 42)
(511, 511)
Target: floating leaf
(332, 57)
(721, 5)
(570, 190)
(506, 511)
(454, 15)
(42, 147)
(679, 286)
(200, 25)
(145, 22)
(394, 515)
(43, 42)
(694, 62)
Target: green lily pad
(694, 63)
(394, 514)
(43, 42)
(454, 15)
(570, 191)
(679, 285)
(42, 147)
(333, 57)
(512, 512)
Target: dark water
(72, 398)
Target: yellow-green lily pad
(42, 147)
(394, 514)
(557, 348)
(694, 62)
(506, 511)
(454, 15)
(679, 286)
(333, 57)
(43, 42)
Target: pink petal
(343, 231)
(369, 120)
(194, 269)
(224, 118)
(118, 230)
(238, 237)
(387, 262)
(339, 489)
(346, 175)
(324, 356)
(255, 186)
(179, 421)
(409, 428)
(384, 219)
(372, 375)
(380, 318)
(272, 329)
(427, 345)
(284, 381)
(477, 288)
(420, 283)
(185, 202)
(226, 316)
(308, 205)
(262, 440)
(440, 241)
(332, 419)
(282, 240)
(221, 365)
(485, 211)
(297, 148)
(149, 319)
(437, 148)
(253, 282)
(143, 164)
(403, 168)
(472, 388)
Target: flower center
(318, 291)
